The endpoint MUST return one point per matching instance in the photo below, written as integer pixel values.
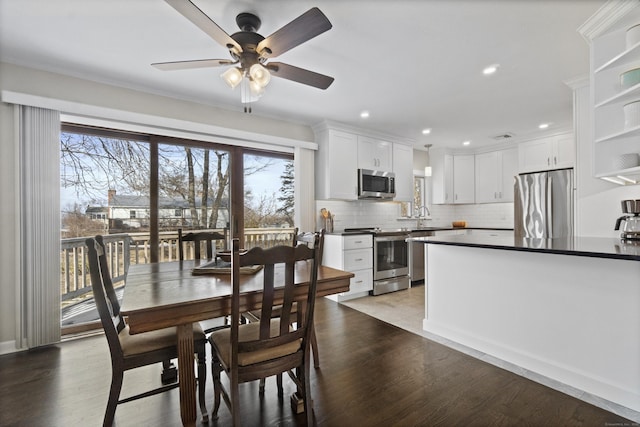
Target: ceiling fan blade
(197, 63)
(299, 75)
(305, 27)
(193, 13)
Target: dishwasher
(416, 257)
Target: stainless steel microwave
(376, 184)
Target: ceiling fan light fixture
(260, 75)
(232, 77)
(256, 88)
(248, 92)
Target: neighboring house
(126, 212)
(97, 213)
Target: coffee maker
(631, 226)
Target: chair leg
(261, 387)
(308, 403)
(169, 372)
(114, 393)
(279, 381)
(314, 348)
(216, 369)
(202, 381)
(235, 399)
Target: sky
(266, 183)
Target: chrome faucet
(422, 212)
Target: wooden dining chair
(307, 238)
(209, 238)
(253, 351)
(129, 351)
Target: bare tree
(76, 224)
(95, 164)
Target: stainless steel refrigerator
(543, 204)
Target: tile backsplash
(368, 213)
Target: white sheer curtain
(39, 287)
(304, 189)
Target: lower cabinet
(353, 253)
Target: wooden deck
(372, 374)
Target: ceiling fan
(250, 51)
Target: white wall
(8, 226)
(95, 97)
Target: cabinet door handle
(359, 281)
(358, 241)
(555, 160)
(358, 259)
(500, 194)
(495, 195)
(548, 161)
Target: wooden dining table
(167, 294)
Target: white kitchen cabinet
(335, 165)
(509, 171)
(464, 178)
(403, 169)
(494, 175)
(611, 56)
(487, 181)
(441, 177)
(353, 253)
(374, 154)
(554, 152)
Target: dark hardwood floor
(372, 374)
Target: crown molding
(601, 21)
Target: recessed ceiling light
(543, 125)
(364, 115)
(490, 69)
(426, 131)
(466, 143)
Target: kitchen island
(564, 309)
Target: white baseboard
(7, 347)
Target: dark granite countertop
(598, 247)
(416, 229)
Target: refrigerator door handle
(549, 207)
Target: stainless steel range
(390, 259)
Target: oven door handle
(391, 238)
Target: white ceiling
(412, 63)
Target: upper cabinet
(473, 178)
(403, 168)
(495, 172)
(342, 152)
(614, 37)
(336, 174)
(555, 152)
(441, 177)
(464, 178)
(375, 154)
(452, 177)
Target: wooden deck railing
(133, 248)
